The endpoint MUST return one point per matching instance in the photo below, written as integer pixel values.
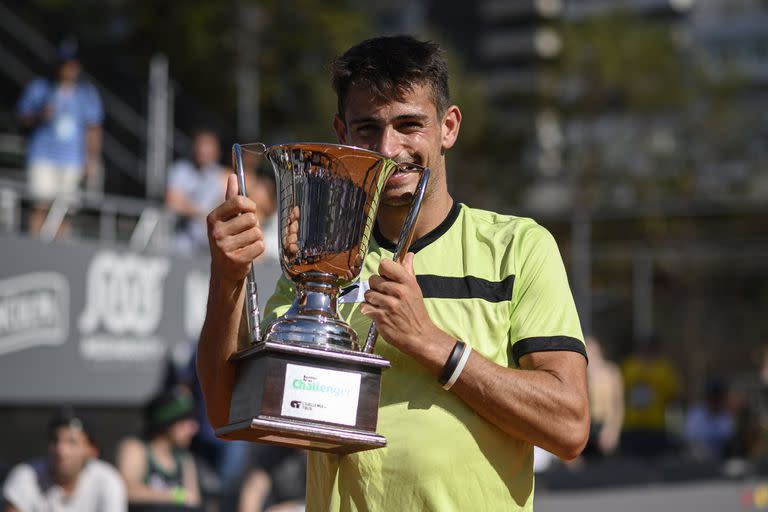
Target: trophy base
(306, 397)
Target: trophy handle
(404, 241)
(253, 315)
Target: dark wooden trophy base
(257, 410)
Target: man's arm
(235, 240)
(543, 402)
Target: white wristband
(459, 368)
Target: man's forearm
(218, 341)
(536, 405)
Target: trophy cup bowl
(308, 381)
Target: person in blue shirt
(196, 186)
(64, 116)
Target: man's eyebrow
(369, 119)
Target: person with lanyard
(159, 472)
(478, 322)
(64, 117)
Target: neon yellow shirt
(496, 282)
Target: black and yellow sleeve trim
(545, 344)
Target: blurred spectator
(70, 479)
(64, 116)
(709, 425)
(160, 470)
(651, 385)
(195, 188)
(606, 401)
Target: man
(194, 188)
(160, 471)
(474, 278)
(70, 479)
(64, 118)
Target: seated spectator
(195, 188)
(160, 469)
(709, 425)
(71, 478)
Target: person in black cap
(71, 478)
(64, 116)
(160, 470)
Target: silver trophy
(308, 381)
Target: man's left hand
(396, 304)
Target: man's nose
(389, 145)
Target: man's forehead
(363, 103)
(70, 432)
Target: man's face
(406, 130)
(69, 70)
(69, 450)
(206, 150)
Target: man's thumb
(232, 186)
(408, 263)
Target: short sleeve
(20, 488)
(94, 111)
(543, 316)
(34, 98)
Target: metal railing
(152, 224)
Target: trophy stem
(313, 318)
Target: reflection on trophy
(308, 381)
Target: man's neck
(433, 213)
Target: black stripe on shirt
(467, 287)
(546, 343)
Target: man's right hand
(234, 235)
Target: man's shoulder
(495, 219)
(26, 476)
(182, 167)
(100, 470)
(39, 84)
(503, 227)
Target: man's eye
(364, 129)
(410, 126)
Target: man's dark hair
(392, 66)
(67, 416)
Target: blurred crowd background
(635, 130)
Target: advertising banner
(95, 323)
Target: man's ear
(451, 125)
(340, 127)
